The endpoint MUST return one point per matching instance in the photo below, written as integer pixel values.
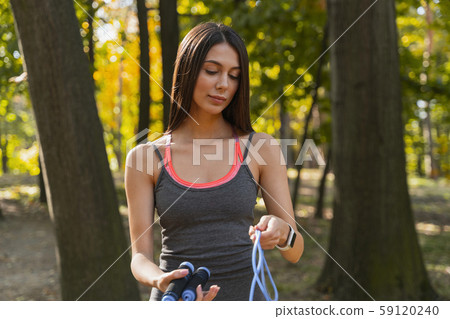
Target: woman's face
(217, 81)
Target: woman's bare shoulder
(259, 136)
(160, 142)
(143, 156)
(267, 147)
(256, 135)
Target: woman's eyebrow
(218, 63)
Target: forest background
(285, 41)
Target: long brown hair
(190, 57)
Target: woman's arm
(275, 190)
(140, 198)
(140, 165)
(139, 192)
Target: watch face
(292, 241)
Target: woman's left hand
(207, 295)
(274, 231)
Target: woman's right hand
(164, 280)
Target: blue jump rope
(258, 269)
(185, 287)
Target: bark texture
(373, 235)
(79, 186)
(169, 47)
(144, 60)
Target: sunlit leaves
(428, 74)
(283, 39)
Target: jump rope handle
(176, 287)
(186, 286)
(200, 277)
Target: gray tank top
(207, 224)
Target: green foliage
(283, 39)
(17, 128)
(425, 69)
(10, 58)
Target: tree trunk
(431, 167)
(42, 194)
(169, 47)
(431, 164)
(421, 152)
(4, 145)
(372, 235)
(4, 148)
(144, 60)
(322, 187)
(80, 190)
(314, 95)
(285, 130)
(90, 35)
(118, 134)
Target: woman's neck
(206, 128)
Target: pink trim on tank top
(229, 176)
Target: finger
(182, 272)
(263, 236)
(199, 293)
(253, 237)
(263, 222)
(269, 244)
(272, 231)
(177, 273)
(212, 293)
(252, 233)
(268, 240)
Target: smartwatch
(290, 240)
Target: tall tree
(322, 187)
(4, 145)
(117, 132)
(144, 60)
(314, 105)
(90, 35)
(372, 235)
(80, 190)
(169, 46)
(431, 163)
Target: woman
(206, 206)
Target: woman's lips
(216, 100)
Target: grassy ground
(431, 204)
(27, 246)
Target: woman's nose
(222, 83)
